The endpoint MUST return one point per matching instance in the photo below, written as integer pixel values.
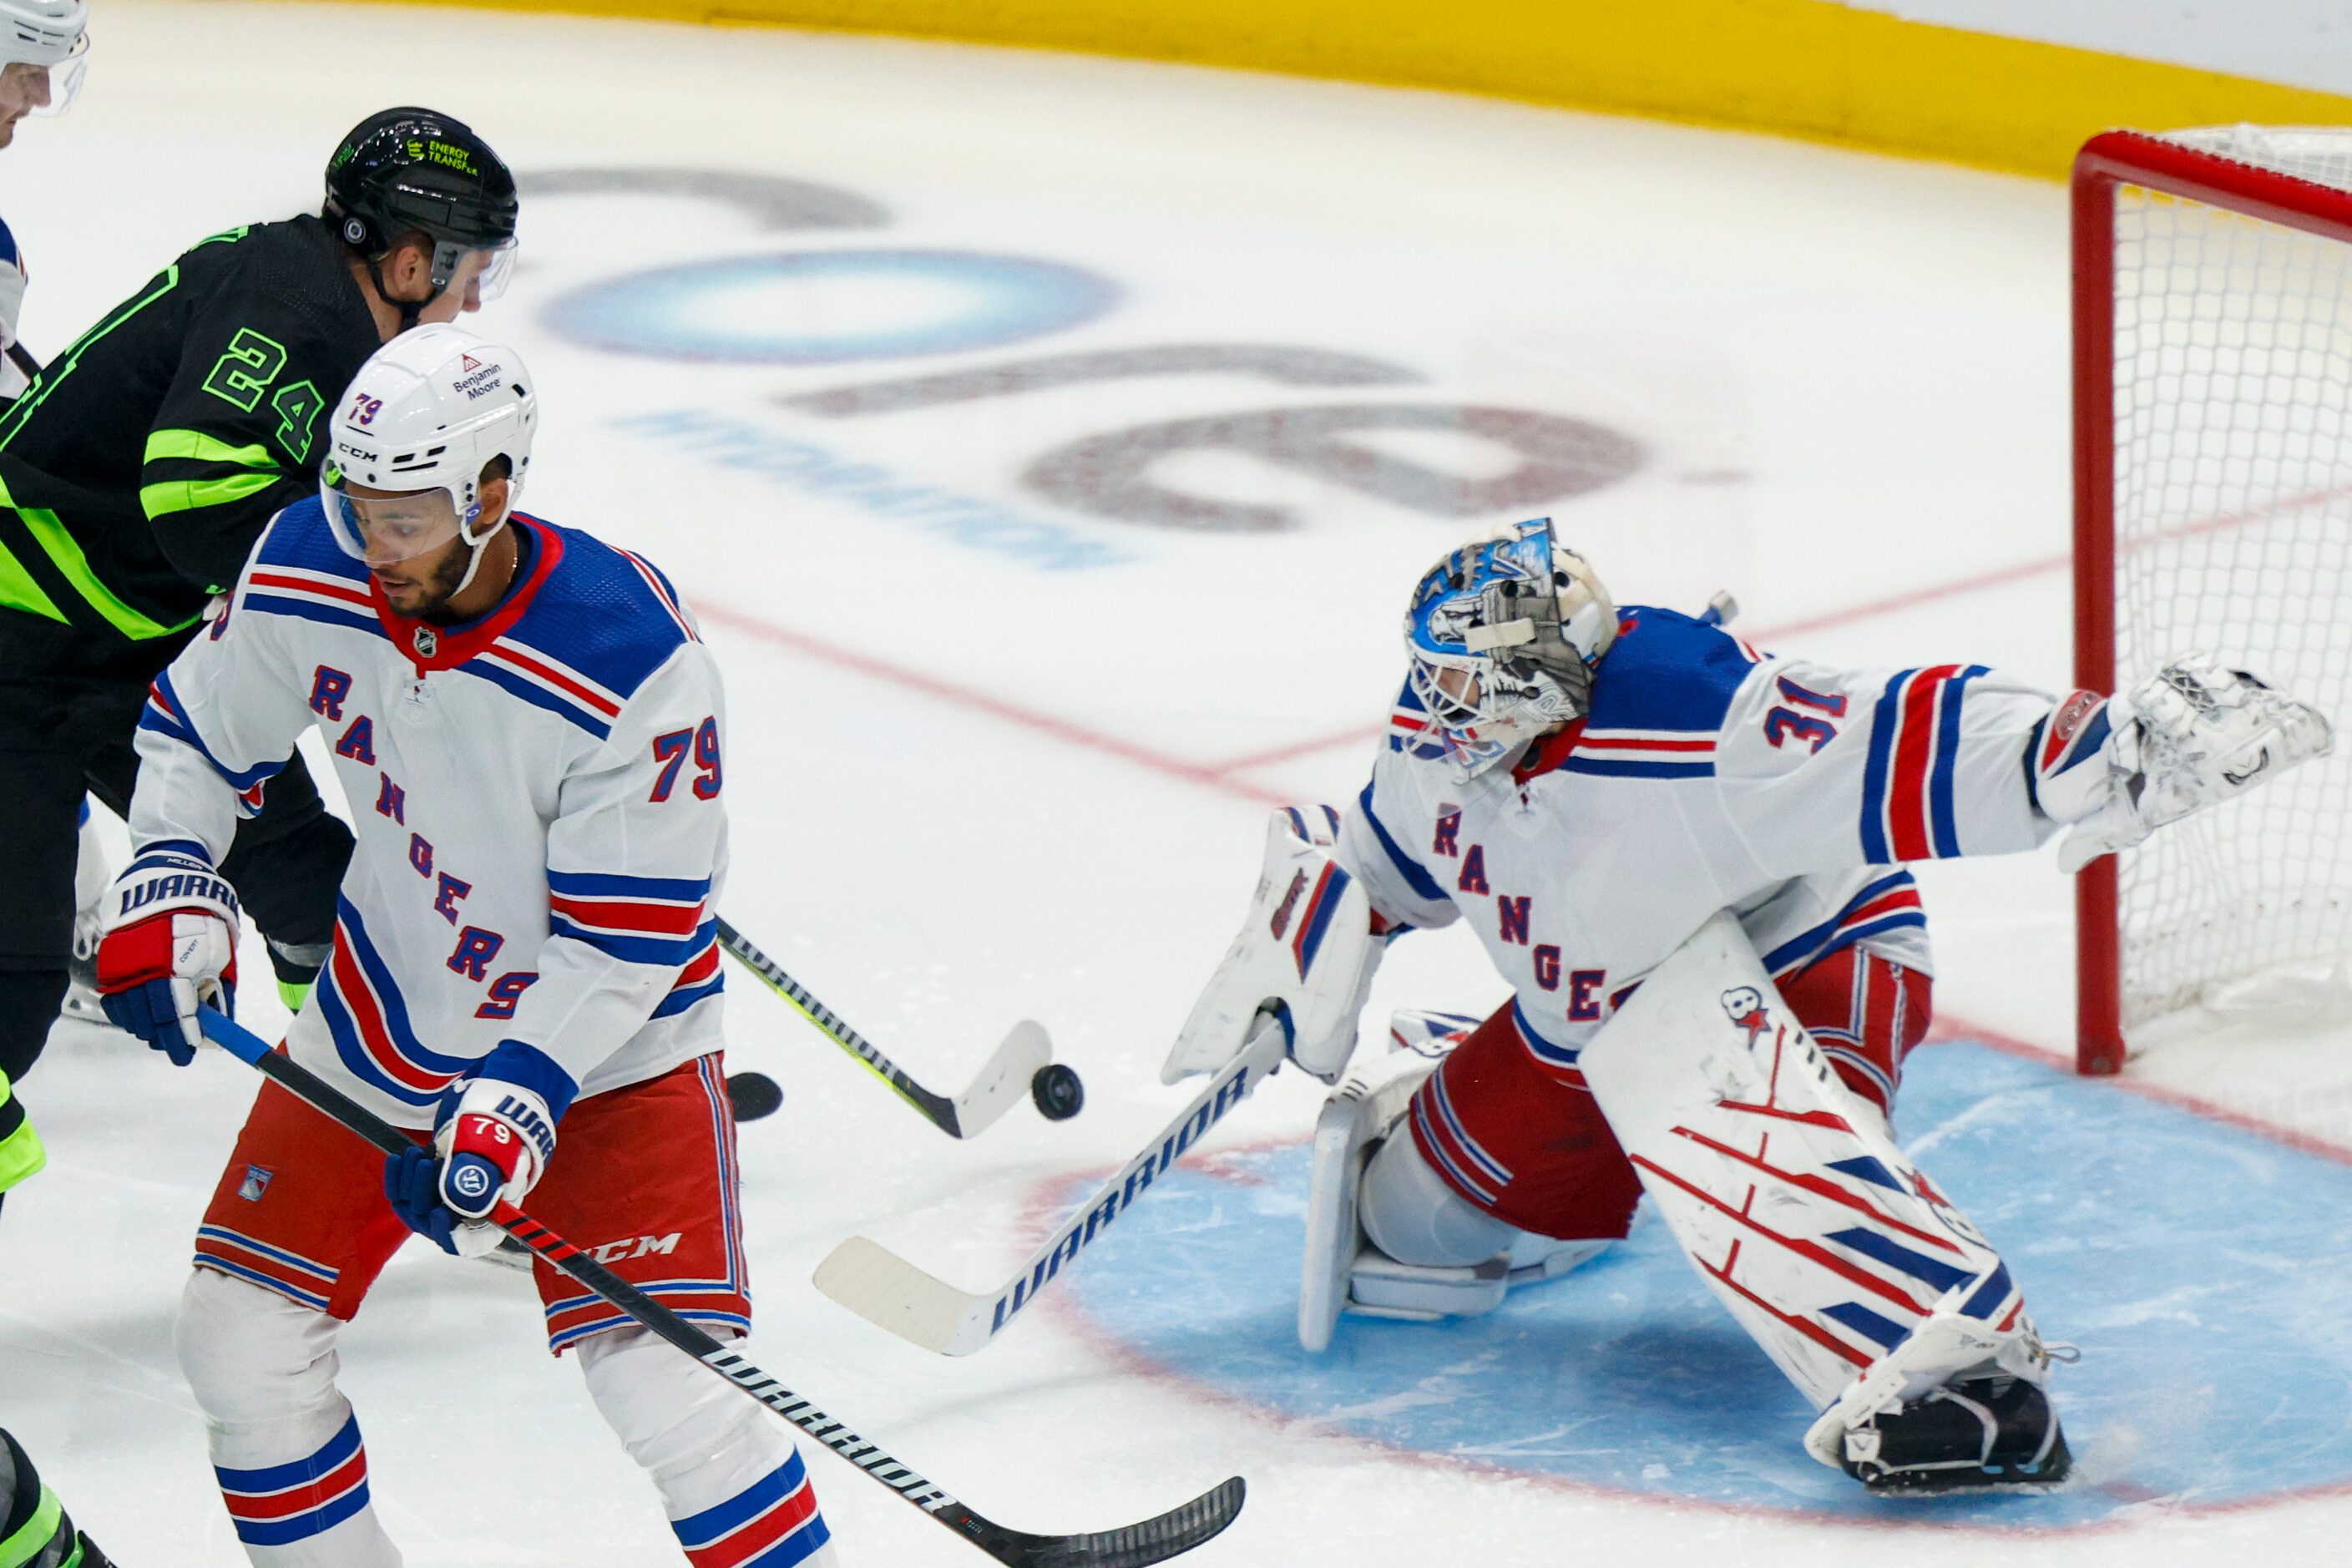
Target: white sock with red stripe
(730, 1481)
(285, 1444)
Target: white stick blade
(891, 1293)
(1004, 1081)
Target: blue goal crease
(2205, 1375)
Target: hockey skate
(91, 877)
(1343, 1270)
(1975, 1432)
(1956, 1404)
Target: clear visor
(482, 276)
(50, 90)
(384, 531)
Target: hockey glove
(494, 1142)
(168, 947)
(2190, 736)
(1305, 954)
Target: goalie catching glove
(493, 1142)
(2189, 736)
(168, 948)
(1305, 954)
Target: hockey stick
(1010, 1073)
(22, 358)
(890, 1292)
(1153, 1540)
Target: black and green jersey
(136, 473)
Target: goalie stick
(1130, 1546)
(1002, 1081)
(887, 1290)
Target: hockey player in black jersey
(135, 474)
(34, 1530)
(45, 44)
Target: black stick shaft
(940, 1110)
(867, 1457)
(1137, 1546)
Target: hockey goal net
(2214, 511)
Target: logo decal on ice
(256, 1183)
(1744, 1005)
(427, 642)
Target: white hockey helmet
(52, 33)
(425, 414)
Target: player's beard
(439, 589)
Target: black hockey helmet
(403, 171)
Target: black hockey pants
(61, 735)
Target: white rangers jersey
(535, 796)
(1707, 776)
(12, 309)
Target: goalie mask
(1504, 635)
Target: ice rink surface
(1047, 444)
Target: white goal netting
(2233, 533)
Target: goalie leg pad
(1522, 1139)
(1836, 1254)
(1411, 1216)
(1386, 1236)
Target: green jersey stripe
(19, 591)
(40, 1532)
(66, 555)
(52, 378)
(159, 500)
(194, 443)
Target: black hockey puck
(1058, 1091)
(753, 1095)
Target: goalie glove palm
(2190, 736)
(1307, 953)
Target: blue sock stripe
(700, 1529)
(286, 1531)
(278, 1478)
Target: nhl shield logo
(427, 642)
(256, 1183)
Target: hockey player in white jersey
(524, 973)
(1686, 856)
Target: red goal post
(2209, 375)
